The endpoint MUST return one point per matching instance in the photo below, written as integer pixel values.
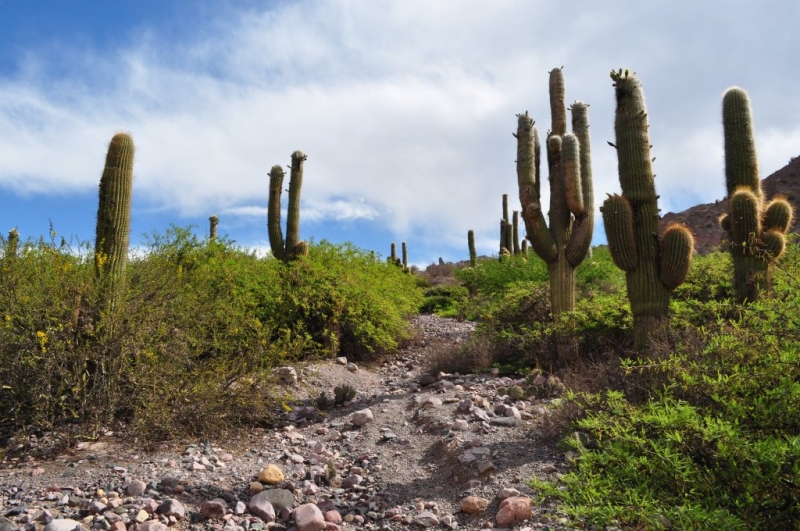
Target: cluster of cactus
(343, 393)
(113, 219)
(402, 263)
(565, 242)
(509, 232)
(654, 265)
(756, 228)
(292, 247)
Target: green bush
(190, 348)
(444, 299)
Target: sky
(404, 108)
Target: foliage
(203, 324)
(715, 443)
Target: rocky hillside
(702, 219)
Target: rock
(151, 525)
(64, 524)
(474, 504)
(96, 507)
(430, 403)
(507, 422)
(271, 475)
(171, 507)
(136, 488)
(352, 367)
(255, 487)
(507, 493)
(426, 380)
(280, 498)
(513, 510)
(361, 417)
(341, 360)
(460, 425)
(426, 519)
(549, 469)
(260, 506)
(214, 509)
(286, 375)
(308, 517)
(333, 516)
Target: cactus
(12, 243)
(113, 219)
(292, 247)
(473, 255)
(756, 229)
(343, 393)
(405, 256)
(515, 232)
(653, 266)
(565, 242)
(213, 221)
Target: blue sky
(405, 108)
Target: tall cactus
(12, 243)
(756, 229)
(653, 266)
(473, 254)
(114, 218)
(563, 243)
(292, 247)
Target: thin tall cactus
(653, 265)
(114, 218)
(756, 228)
(291, 247)
(564, 243)
(213, 221)
(473, 255)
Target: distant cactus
(653, 265)
(515, 232)
(213, 221)
(114, 218)
(405, 256)
(12, 243)
(565, 241)
(292, 247)
(473, 255)
(756, 228)
(343, 393)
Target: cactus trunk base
(562, 298)
(751, 277)
(650, 333)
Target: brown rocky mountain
(702, 220)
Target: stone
(286, 375)
(332, 516)
(280, 498)
(507, 493)
(430, 403)
(260, 506)
(549, 469)
(426, 519)
(308, 517)
(513, 510)
(239, 508)
(136, 488)
(171, 507)
(341, 360)
(474, 504)
(151, 525)
(507, 422)
(64, 524)
(426, 380)
(271, 475)
(255, 487)
(352, 367)
(460, 425)
(214, 509)
(361, 417)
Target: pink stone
(513, 510)
(308, 517)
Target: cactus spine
(292, 247)
(653, 266)
(213, 221)
(114, 218)
(756, 229)
(564, 243)
(473, 254)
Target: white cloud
(405, 109)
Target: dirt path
(425, 445)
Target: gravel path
(409, 449)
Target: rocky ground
(410, 449)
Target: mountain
(702, 220)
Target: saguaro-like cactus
(114, 218)
(213, 221)
(563, 243)
(405, 256)
(12, 243)
(473, 254)
(756, 229)
(653, 266)
(292, 247)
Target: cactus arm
(276, 175)
(580, 242)
(473, 255)
(618, 220)
(293, 212)
(778, 215)
(515, 231)
(677, 245)
(558, 108)
(571, 158)
(741, 162)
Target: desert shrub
(491, 277)
(443, 299)
(715, 442)
(189, 349)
